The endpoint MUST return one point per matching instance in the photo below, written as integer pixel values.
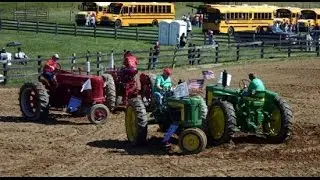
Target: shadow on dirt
(153, 147)
(52, 120)
(249, 139)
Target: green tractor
(182, 116)
(263, 113)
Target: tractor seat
(256, 99)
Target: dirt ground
(74, 147)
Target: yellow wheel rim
(130, 122)
(191, 142)
(217, 122)
(274, 126)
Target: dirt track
(73, 147)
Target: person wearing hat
(21, 55)
(50, 67)
(3, 54)
(256, 85)
(162, 84)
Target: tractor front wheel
(220, 123)
(98, 114)
(279, 126)
(136, 122)
(192, 141)
(34, 101)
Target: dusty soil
(74, 147)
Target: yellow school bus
(229, 19)
(88, 8)
(137, 13)
(287, 14)
(309, 18)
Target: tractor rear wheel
(220, 123)
(98, 114)
(34, 101)
(192, 141)
(279, 128)
(136, 122)
(110, 90)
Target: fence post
(238, 52)
(73, 61)
(98, 63)
(217, 53)
(229, 41)
(88, 64)
(0, 24)
(137, 34)
(289, 49)
(94, 31)
(262, 50)
(150, 58)
(5, 73)
(75, 29)
(39, 64)
(115, 33)
(205, 39)
(37, 27)
(18, 25)
(318, 47)
(56, 28)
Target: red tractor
(79, 94)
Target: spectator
(286, 27)
(200, 20)
(189, 28)
(21, 55)
(210, 35)
(87, 19)
(3, 55)
(183, 40)
(93, 20)
(156, 53)
(317, 28)
(184, 17)
(197, 21)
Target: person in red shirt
(50, 67)
(128, 72)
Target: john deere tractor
(263, 113)
(182, 116)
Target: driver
(49, 68)
(255, 85)
(162, 84)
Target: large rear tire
(34, 101)
(279, 128)
(136, 122)
(110, 90)
(220, 123)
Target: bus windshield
(283, 14)
(88, 7)
(212, 17)
(308, 15)
(115, 8)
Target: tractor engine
(186, 112)
(71, 85)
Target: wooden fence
(206, 54)
(31, 15)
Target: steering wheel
(244, 83)
(58, 67)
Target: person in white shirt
(5, 56)
(189, 28)
(20, 55)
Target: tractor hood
(220, 90)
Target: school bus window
(228, 15)
(147, 9)
(222, 16)
(318, 17)
(125, 10)
(100, 8)
(169, 9)
(232, 16)
(250, 16)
